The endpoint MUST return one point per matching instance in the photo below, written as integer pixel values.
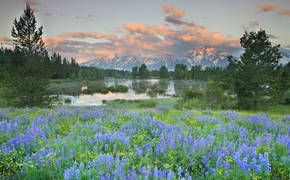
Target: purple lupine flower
(259, 142)
(35, 157)
(155, 172)
(108, 176)
(170, 174)
(227, 165)
(179, 171)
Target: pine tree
(134, 72)
(163, 72)
(255, 74)
(144, 72)
(26, 36)
(28, 65)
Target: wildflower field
(104, 143)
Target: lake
(171, 87)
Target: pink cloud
(285, 12)
(176, 12)
(4, 38)
(143, 40)
(83, 35)
(268, 7)
(251, 26)
(2, 19)
(30, 2)
(48, 14)
(273, 7)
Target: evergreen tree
(163, 72)
(180, 71)
(255, 74)
(134, 72)
(144, 73)
(26, 36)
(28, 65)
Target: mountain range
(206, 57)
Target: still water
(172, 87)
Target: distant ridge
(205, 57)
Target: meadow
(162, 142)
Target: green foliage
(163, 72)
(212, 96)
(180, 71)
(28, 67)
(94, 143)
(26, 37)
(156, 91)
(134, 72)
(64, 69)
(144, 73)
(191, 93)
(92, 73)
(147, 104)
(255, 74)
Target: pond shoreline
(71, 93)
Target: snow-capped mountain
(285, 57)
(204, 57)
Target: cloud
(6, 41)
(48, 14)
(179, 13)
(30, 2)
(285, 12)
(4, 38)
(272, 36)
(268, 7)
(3, 18)
(251, 26)
(175, 15)
(85, 19)
(274, 7)
(143, 40)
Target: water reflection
(137, 90)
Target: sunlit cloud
(30, 2)
(285, 12)
(268, 7)
(274, 7)
(175, 15)
(48, 14)
(143, 40)
(6, 42)
(3, 18)
(179, 13)
(252, 26)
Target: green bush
(191, 93)
(122, 89)
(6, 97)
(212, 96)
(147, 104)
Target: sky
(149, 28)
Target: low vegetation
(91, 142)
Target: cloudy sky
(148, 28)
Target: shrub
(122, 89)
(147, 104)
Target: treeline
(181, 72)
